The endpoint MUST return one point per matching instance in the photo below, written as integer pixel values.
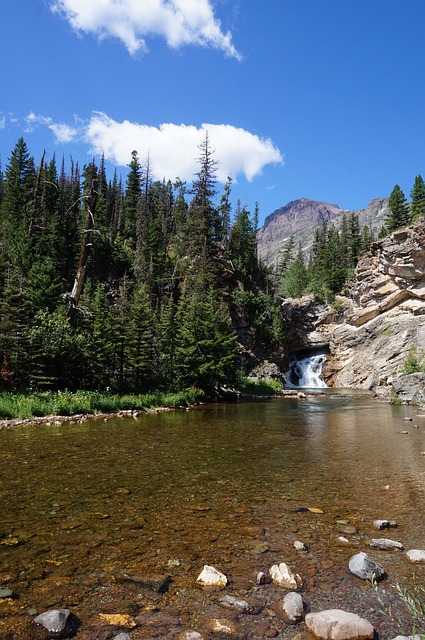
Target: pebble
(6, 593)
(384, 524)
(293, 606)
(300, 546)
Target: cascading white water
(306, 372)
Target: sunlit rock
(416, 555)
(282, 576)
(293, 607)
(364, 567)
(384, 524)
(336, 624)
(210, 577)
(300, 546)
(385, 544)
(53, 620)
(222, 626)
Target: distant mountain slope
(301, 218)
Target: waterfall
(305, 371)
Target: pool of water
(118, 516)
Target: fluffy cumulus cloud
(62, 131)
(173, 149)
(180, 22)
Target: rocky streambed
(115, 522)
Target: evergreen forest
(139, 285)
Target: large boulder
(364, 567)
(410, 388)
(336, 624)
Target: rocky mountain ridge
(370, 333)
(300, 218)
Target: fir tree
(399, 214)
(417, 207)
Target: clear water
(85, 508)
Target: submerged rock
(336, 624)
(364, 567)
(53, 620)
(385, 544)
(234, 603)
(210, 577)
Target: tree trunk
(86, 246)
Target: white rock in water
(210, 577)
(415, 637)
(283, 576)
(261, 577)
(300, 546)
(53, 620)
(336, 624)
(293, 606)
(416, 555)
(365, 568)
(122, 636)
(384, 524)
(385, 544)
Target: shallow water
(119, 516)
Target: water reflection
(219, 484)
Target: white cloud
(63, 132)
(173, 149)
(2, 122)
(180, 22)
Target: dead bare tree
(86, 246)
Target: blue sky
(316, 98)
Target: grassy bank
(65, 403)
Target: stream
(118, 517)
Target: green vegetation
(333, 258)
(129, 287)
(66, 403)
(412, 599)
(415, 362)
(258, 387)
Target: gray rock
(385, 544)
(6, 593)
(234, 603)
(53, 620)
(122, 636)
(293, 606)
(410, 388)
(415, 637)
(364, 567)
(416, 555)
(336, 624)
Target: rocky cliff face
(378, 324)
(302, 217)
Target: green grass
(65, 403)
(256, 387)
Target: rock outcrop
(370, 333)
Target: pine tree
(417, 208)
(205, 348)
(399, 214)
